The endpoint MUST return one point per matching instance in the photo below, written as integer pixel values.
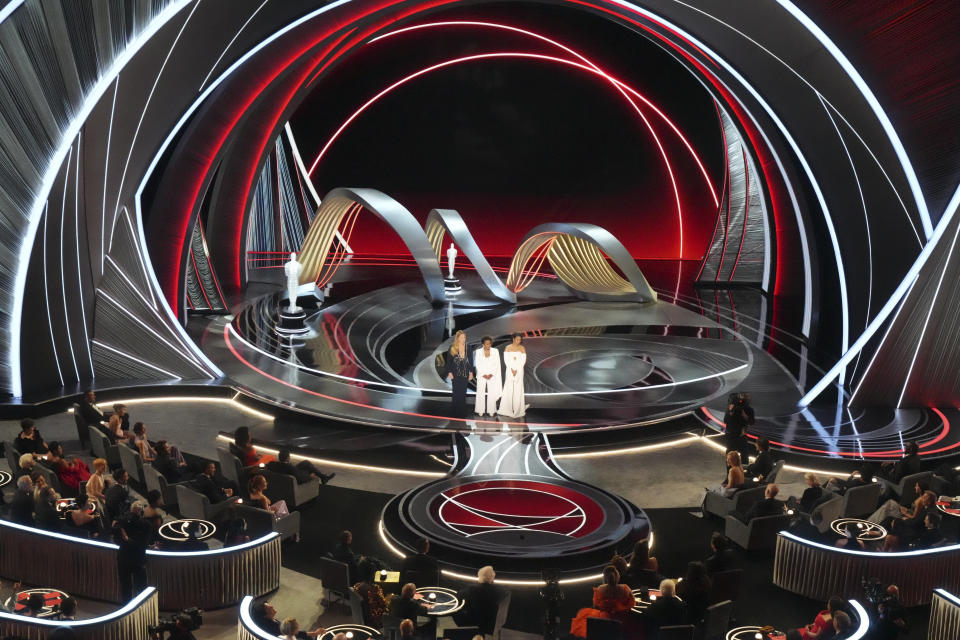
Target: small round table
(644, 598)
(865, 529)
(352, 631)
(51, 601)
(753, 632)
(946, 504)
(176, 530)
(445, 601)
(5, 478)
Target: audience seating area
(131, 621)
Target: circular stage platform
(507, 498)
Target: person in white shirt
(486, 361)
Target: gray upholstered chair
(677, 632)
(759, 533)
(826, 512)
(195, 505)
(83, 431)
(261, 521)
(335, 577)
(13, 458)
(740, 501)
(860, 501)
(904, 488)
(281, 486)
(717, 620)
(503, 609)
(774, 472)
(50, 476)
(131, 461)
(154, 480)
(103, 449)
(232, 469)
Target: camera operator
(735, 421)
(892, 619)
(182, 628)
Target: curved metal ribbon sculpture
(577, 252)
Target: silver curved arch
(317, 244)
(441, 221)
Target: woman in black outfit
(694, 589)
(460, 373)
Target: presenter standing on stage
(460, 373)
(512, 402)
(486, 361)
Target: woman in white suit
(486, 361)
(512, 402)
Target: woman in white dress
(486, 362)
(512, 402)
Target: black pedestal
(291, 323)
(451, 285)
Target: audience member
(96, 484)
(723, 557)
(905, 529)
(644, 571)
(120, 410)
(166, 463)
(410, 604)
(694, 590)
(45, 511)
(893, 509)
(931, 536)
(256, 487)
(90, 412)
(68, 609)
(153, 513)
(140, 441)
(303, 471)
(21, 507)
(243, 448)
(735, 477)
(211, 486)
(735, 425)
(407, 629)
(860, 478)
(343, 552)
(420, 565)
(81, 518)
(35, 604)
(29, 440)
(375, 603)
(482, 601)
(133, 534)
(611, 601)
(841, 625)
(235, 532)
(192, 530)
(71, 472)
(810, 496)
(822, 625)
(908, 465)
(892, 618)
(769, 506)
(117, 497)
(619, 563)
(666, 611)
(115, 431)
(265, 616)
(27, 462)
(760, 468)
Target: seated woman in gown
(611, 600)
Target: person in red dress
(611, 600)
(70, 472)
(822, 626)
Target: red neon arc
(622, 89)
(520, 55)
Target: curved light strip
(53, 168)
(948, 596)
(878, 111)
(86, 622)
(511, 54)
(247, 621)
(871, 554)
(493, 25)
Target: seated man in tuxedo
(763, 465)
(420, 566)
(769, 506)
(908, 465)
(90, 411)
(304, 471)
(860, 478)
(482, 602)
(209, 485)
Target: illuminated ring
(749, 632)
(640, 596)
(867, 530)
(5, 478)
(176, 530)
(51, 601)
(350, 629)
(444, 597)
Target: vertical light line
(230, 44)
(76, 222)
(46, 294)
(106, 168)
(63, 284)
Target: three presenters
(494, 384)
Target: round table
(176, 530)
(353, 632)
(644, 598)
(753, 632)
(51, 601)
(445, 601)
(866, 530)
(946, 504)
(5, 478)
(65, 505)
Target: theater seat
(741, 501)
(759, 533)
(281, 486)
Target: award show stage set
(470, 243)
